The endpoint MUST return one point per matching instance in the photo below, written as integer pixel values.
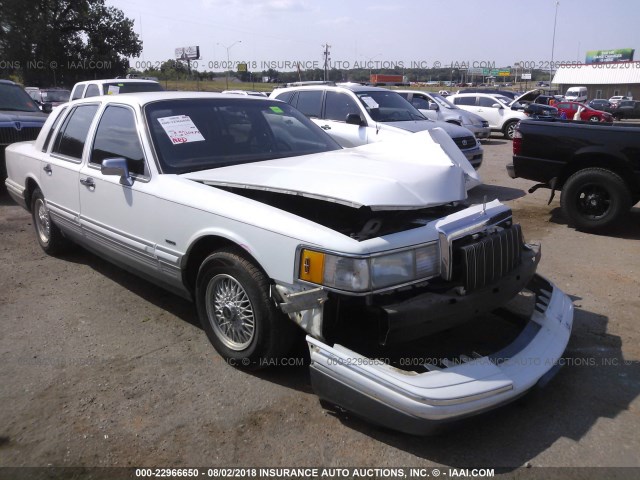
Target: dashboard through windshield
(388, 106)
(199, 134)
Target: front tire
(595, 198)
(49, 236)
(594, 119)
(235, 310)
(509, 129)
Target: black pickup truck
(595, 165)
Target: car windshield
(13, 98)
(443, 102)
(131, 87)
(387, 106)
(199, 134)
(503, 99)
(56, 95)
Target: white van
(576, 94)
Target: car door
(336, 108)
(59, 175)
(423, 103)
(119, 219)
(492, 114)
(564, 109)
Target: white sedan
(245, 206)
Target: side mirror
(47, 107)
(496, 105)
(355, 119)
(117, 166)
(433, 106)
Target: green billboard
(608, 56)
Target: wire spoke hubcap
(43, 222)
(230, 312)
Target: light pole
(228, 61)
(369, 63)
(553, 42)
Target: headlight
(363, 274)
(392, 269)
(346, 273)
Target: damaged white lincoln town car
(245, 206)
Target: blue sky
(424, 32)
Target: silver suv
(436, 107)
(355, 115)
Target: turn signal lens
(311, 266)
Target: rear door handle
(88, 182)
(47, 168)
(325, 127)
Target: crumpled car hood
(422, 125)
(410, 173)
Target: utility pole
(553, 42)
(327, 59)
(228, 60)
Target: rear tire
(594, 119)
(594, 198)
(49, 236)
(238, 315)
(509, 129)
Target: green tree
(49, 42)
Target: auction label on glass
(181, 129)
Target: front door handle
(88, 182)
(47, 168)
(325, 127)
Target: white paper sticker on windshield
(181, 129)
(113, 90)
(370, 102)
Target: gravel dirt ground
(100, 368)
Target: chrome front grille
(490, 258)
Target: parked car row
(621, 110)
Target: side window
(92, 91)
(563, 105)
(404, 95)
(338, 106)
(465, 101)
(73, 133)
(487, 102)
(310, 103)
(420, 103)
(53, 128)
(117, 137)
(285, 96)
(77, 92)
